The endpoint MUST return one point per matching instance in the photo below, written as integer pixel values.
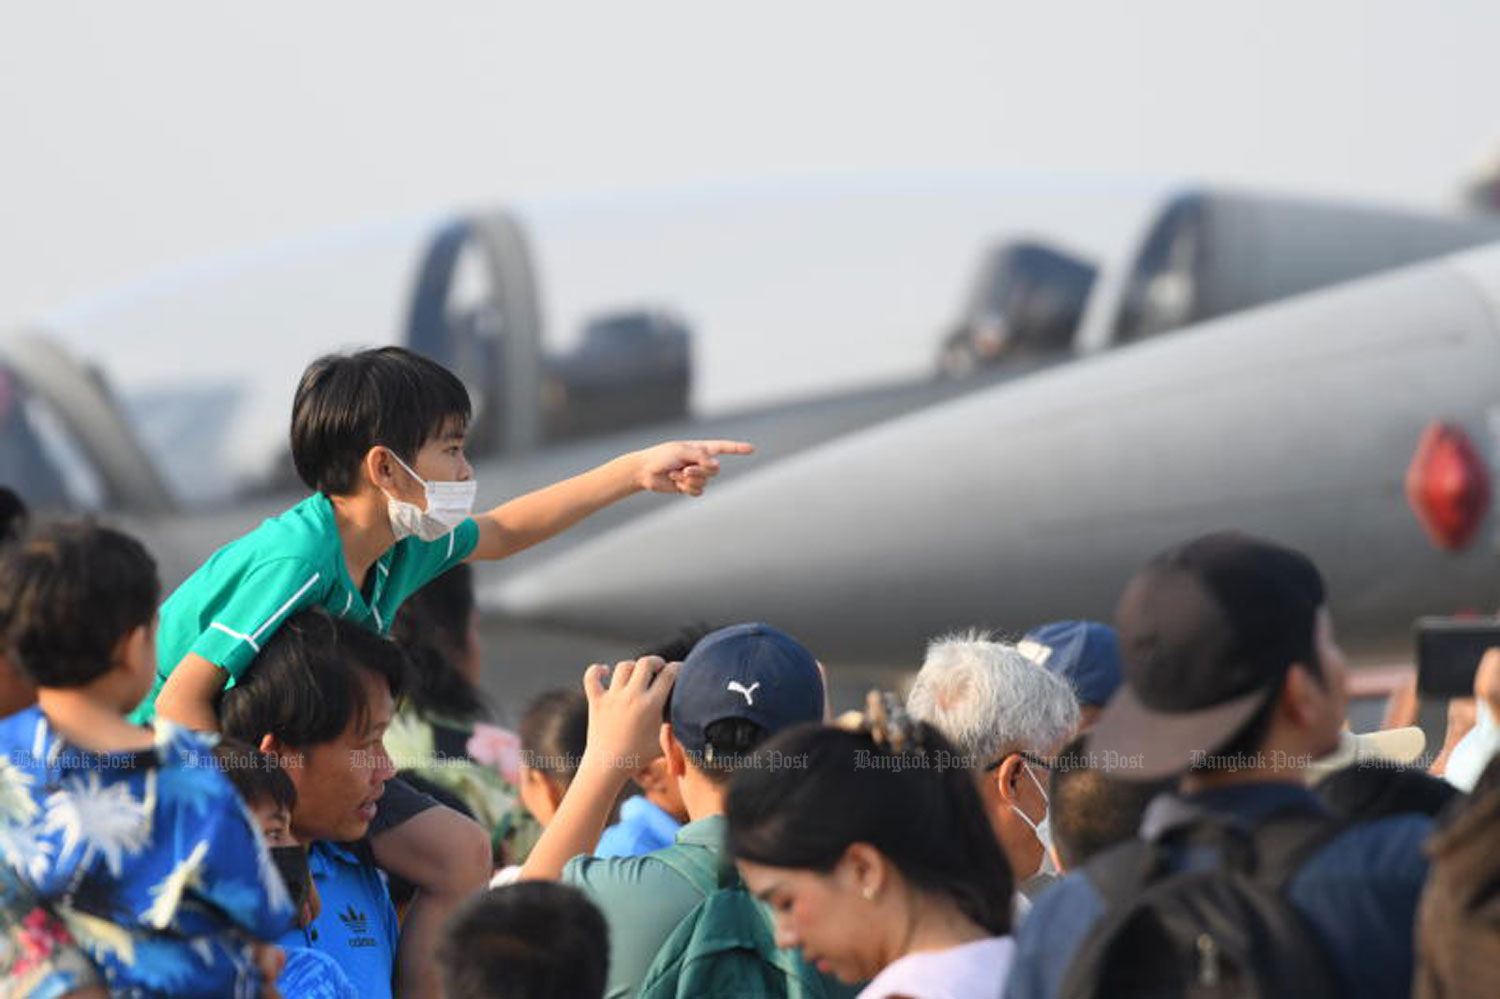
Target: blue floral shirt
(149, 859)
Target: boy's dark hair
(532, 940)
(348, 403)
(258, 777)
(433, 627)
(676, 648)
(307, 683)
(1092, 810)
(13, 518)
(69, 593)
(554, 731)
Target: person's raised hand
(1487, 682)
(625, 716)
(684, 466)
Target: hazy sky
(142, 134)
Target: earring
(868, 892)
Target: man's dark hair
(433, 627)
(307, 684)
(554, 731)
(1365, 792)
(70, 592)
(258, 777)
(532, 940)
(1245, 744)
(1092, 811)
(349, 403)
(729, 746)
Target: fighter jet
(1359, 423)
(881, 508)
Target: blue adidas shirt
(312, 974)
(357, 924)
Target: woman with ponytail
(871, 847)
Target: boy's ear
(672, 750)
(136, 650)
(554, 790)
(653, 778)
(271, 746)
(379, 469)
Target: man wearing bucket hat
(1233, 683)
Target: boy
(379, 436)
(144, 852)
(533, 940)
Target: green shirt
(228, 609)
(643, 900)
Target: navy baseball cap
(750, 671)
(1085, 653)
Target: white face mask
(448, 505)
(1043, 829)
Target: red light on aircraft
(1448, 486)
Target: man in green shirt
(739, 686)
(379, 435)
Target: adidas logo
(354, 922)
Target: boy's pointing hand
(684, 466)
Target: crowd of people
(282, 780)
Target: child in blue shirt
(131, 837)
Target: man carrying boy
(271, 797)
(132, 837)
(318, 702)
(380, 436)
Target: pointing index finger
(726, 447)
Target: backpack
(724, 947)
(1224, 931)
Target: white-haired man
(1011, 716)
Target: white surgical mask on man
(1043, 830)
(448, 505)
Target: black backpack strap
(1286, 840)
(1119, 873)
(1271, 851)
